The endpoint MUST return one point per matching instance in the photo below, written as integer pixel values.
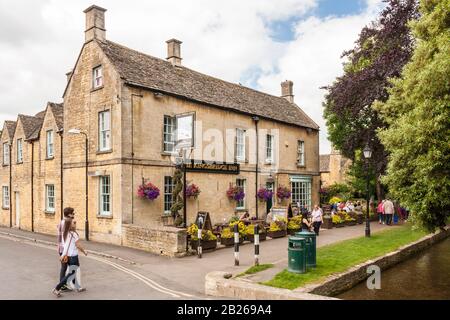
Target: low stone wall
(219, 284)
(341, 282)
(169, 241)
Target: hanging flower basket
(265, 194)
(283, 193)
(235, 193)
(192, 191)
(148, 191)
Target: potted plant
(277, 229)
(283, 193)
(251, 233)
(148, 191)
(327, 222)
(235, 193)
(293, 227)
(241, 228)
(227, 237)
(264, 194)
(192, 191)
(338, 222)
(209, 240)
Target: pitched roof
(143, 70)
(58, 114)
(31, 124)
(11, 128)
(324, 163)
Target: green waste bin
(297, 255)
(310, 239)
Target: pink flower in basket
(283, 193)
(192, 191)
(148, 191)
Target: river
(424, 276)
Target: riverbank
(343, 255)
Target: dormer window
(98, 77)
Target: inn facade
(133, 111)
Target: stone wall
(167, 241)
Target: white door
(17, 210)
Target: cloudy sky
(258, 43)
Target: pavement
(115, 272)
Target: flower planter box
(351, 223)
(293, 231)
(327, 223)
(338, 225)
(206, 244)
(276, 234)
(359, 218)
(228, 242)
(251, 237)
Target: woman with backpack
(71, 241)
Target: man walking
(388, 207)
(69, 215)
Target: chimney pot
(68, 75)
(287, 91)
(95, 23)
(174, 51)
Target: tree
(177, 192)
(380, 53)
(418, 115)
(357, 177)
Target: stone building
(134, 111)
(333, 168)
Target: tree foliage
(418, 115)
(380, 53)
(177, 193)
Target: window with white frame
(5, 197)
(105, 195)
(169, 134)
(241, 183)
(98, 77)
(185, 130)
(6, 153)
(300, 153)
(168, 198)
(301, 191)
(240, 145)
(50, 152)
(19, 151)
(269, 148)
(104, 130)
(50, 198)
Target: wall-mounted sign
(212, 167)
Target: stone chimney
(174, 51)
(95, 23)
(287, 90)
(68, 75)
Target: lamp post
(367, 155)
(86, 226)
(256, 120)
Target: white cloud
(40, 41)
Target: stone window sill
(96, 89)
(49, 212)
(49, 158)
(104, 151)
(5, 165)
(301, 166)
(104, 216)
(168, 154)
(5, 208)
(240, 210)
(21, 162)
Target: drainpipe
(10, 184)
(256, 119)
(61, 174)
(32, 186)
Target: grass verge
(256, 269)
(340, 256)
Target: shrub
(241, 228)
(335, 200)
(293, 225)
(206, 234)
(251, 230)
(226, 233)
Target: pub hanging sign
(211, 167)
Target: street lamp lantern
(367, 152)
(78, 131)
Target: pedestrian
(69, 255)
(388, 207)
(305, 210)
(317, 218)
(69, 215)
(380, 211)
(306, 224)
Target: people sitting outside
(350, 206)
(306, 224)
(317, 218)
(245, 217)
(305, 210)
(358, 207)
(269, 218)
